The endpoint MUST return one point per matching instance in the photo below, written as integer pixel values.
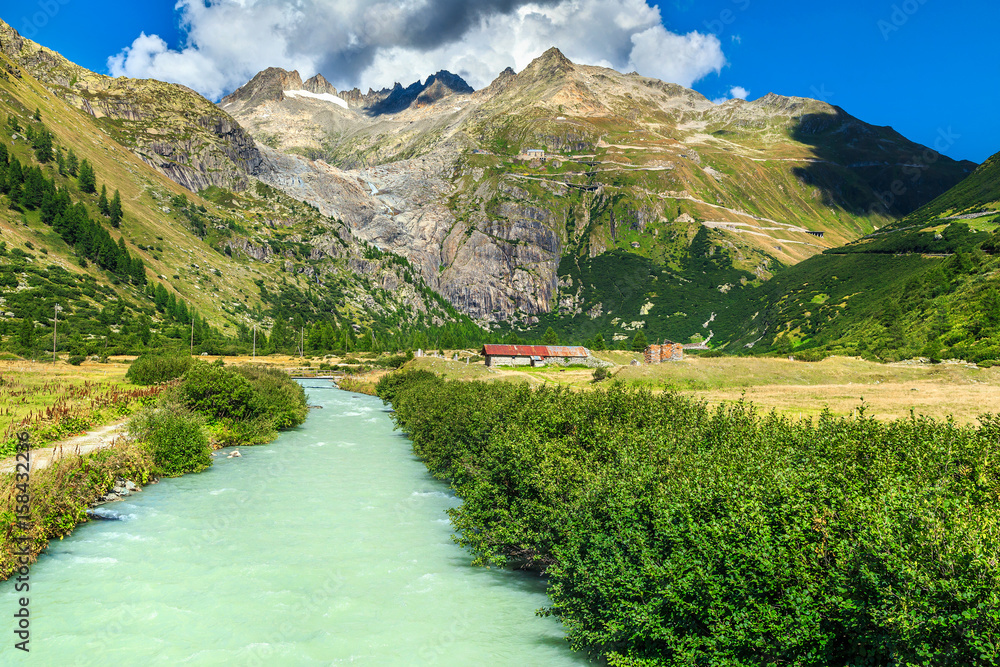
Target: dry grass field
(794, 388)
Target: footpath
(90, 441)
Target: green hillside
(173, 264)
(926, 286)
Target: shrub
(600, 373)
(394, 361)
(76, 359)
(390, 383)
(283, 399)
(220, 393)
(677, 534)
(229, 433)
(175, 438)
(156, 368)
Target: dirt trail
(90, 441)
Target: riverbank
(42, 505)
(239, 406)
(335, 527)
(675, 532)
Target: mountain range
(564, 195)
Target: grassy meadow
(53, 401)
(792, 388)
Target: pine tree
(60, 161)
(116, 210)
(72, 164)
(42, 144)
(16, 195)
(87, 178)
(26, 335)
(14, 172)
(3, 154)
(34, 189)
(102, 202)
(38, 114)
(279, 335)
(599, 344)
(550, 337)
(639, 342)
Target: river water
(328, 546)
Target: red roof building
(532, 355)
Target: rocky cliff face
(171, 127)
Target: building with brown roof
(533, 355)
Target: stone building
(533, 355)
(668, 351)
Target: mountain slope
(238, 260)
(172, 128)
(631, 165)
(926, 285)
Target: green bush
(394, 361)
(676, 534)
(76, 359)
(151, 369)
(283, 399)
(390, 383)
(230, 433)
(220, 393)
(175, 438)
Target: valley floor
(796, 388)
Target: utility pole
(192, 335)
(302, 343)
(255, 341)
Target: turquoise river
(329, 546)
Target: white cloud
(354, 42)
(735, 93)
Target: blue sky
(928, 68)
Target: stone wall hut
(668, 351)
(533, 355)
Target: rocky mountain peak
(267, 85)
(11, 41)
(319, 85)
(419, 94)
(452, 82)
(501, 83)
(552, 62)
